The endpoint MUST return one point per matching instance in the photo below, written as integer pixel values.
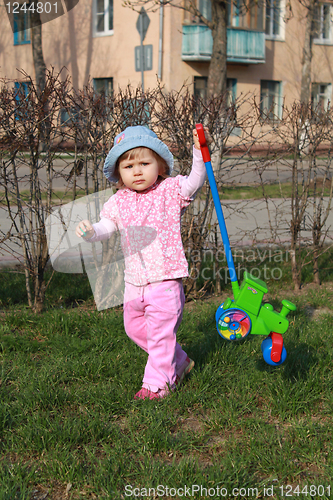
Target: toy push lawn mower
(235, 319)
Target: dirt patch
(314, 314)
(319, 183)
(60, 492)
(217, 441)
(191, 424)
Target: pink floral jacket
(150, 225)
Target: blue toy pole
(218, 208)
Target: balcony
(243, 46)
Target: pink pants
(152, 315)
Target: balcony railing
(243, 46)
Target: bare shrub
(53, 143)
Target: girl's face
(141, 172)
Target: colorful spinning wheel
(234, 324)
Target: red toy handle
(202, 139)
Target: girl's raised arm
(195, 180)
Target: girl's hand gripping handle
(203, 144)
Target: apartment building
(99, 40)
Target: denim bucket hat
(135, 137)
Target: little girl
(154, 298)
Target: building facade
(99, 41)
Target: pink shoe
(147, 394)
(185, 368)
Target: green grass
(284, 190)
(271, 190)
(67, 414)
(58, 197)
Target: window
(232, 107)
(103, 86)
(322, 25)
(274, 23)
(231, 90)
(21, 94)
(200, 92)
(200, 95)
(320, 96)
(200, 87)
(204, 6)
(270, 100)
(69, 118)
(103, 17)
(21, 27)
(246, 14)
(65, 118)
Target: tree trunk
(37, 51)
(40, 74)
(307, 53)
(316, 275)
(296, 217)
(217, 75)
(295, 267)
